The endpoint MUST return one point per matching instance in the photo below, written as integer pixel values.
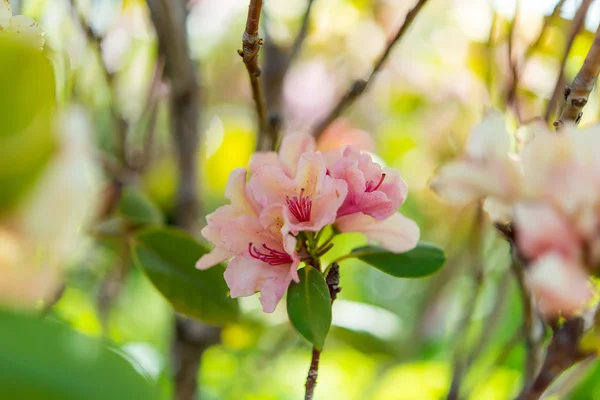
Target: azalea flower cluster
(275, 218)
(549, 192)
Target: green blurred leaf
(27, 137)
(423, 260)
(138, 209)
(168, 256)
(42, 360)
(309, 306)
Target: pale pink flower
(563, 169)
(266, 259)
(541, 229)
(396, 233)
(485, 170)
(371, 190)
(291, 148)
(242, 204)
(560, 286)
(311, 198)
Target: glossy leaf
(309, 306)
(138, 209)
(423, 260)
(50, 361)
(168, 257)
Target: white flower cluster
(20, 26)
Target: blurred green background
(392, 339)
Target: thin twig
(359, 86)
(333, 283)
(576, 26)
(122, 126)
(276, 65)
(299, 41)
(533, 331)
(251, 43)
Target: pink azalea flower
(291, 148)
(266, 260)
(485, 170)
(311, 198)
(242, 204)
(560, 286)
(371, 190)
(396, 233)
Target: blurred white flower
(39, 239)
(20, 26)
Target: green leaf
(138, 209)
(27, 133)
(168, 257)
(50, 361)
(309, 306)
(423, 260)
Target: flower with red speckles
(291, 196)
(311, 198)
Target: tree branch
(359, 86)
(251, 43)
(563, 352)
(576, 95)
(169, 19)
(576, 26)
(191, 338)
(333, 283)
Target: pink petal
(270, 184)
(239, 195)
(489, 139)
(560, 286)
(261, 159)
(311, 173)
(216, 256)
(465, 181)
(363, 176)
(292, 147)
(246, 275)
(325, 206)
(397, 233)
(540, 229)
(244, 230)
(275, 219)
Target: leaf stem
(333, 283)
(329, 239)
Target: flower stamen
(271, 256)
(370, 187)
(300, 207)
